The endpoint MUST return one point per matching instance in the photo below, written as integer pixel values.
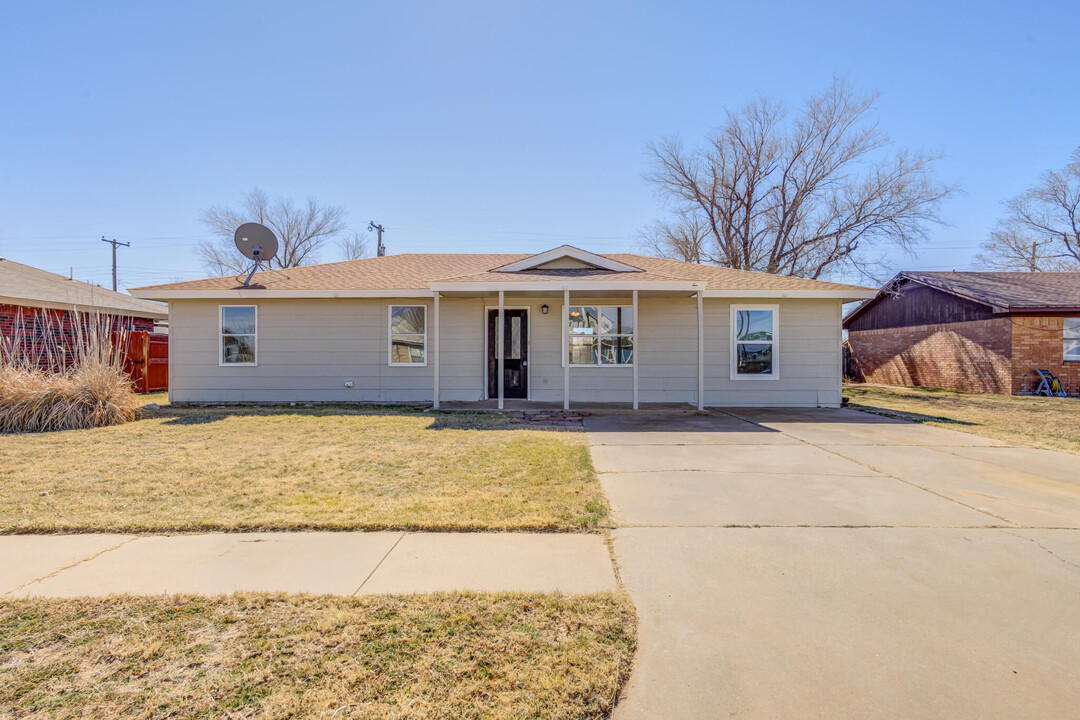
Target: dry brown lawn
(188, 469)
(1052, 423)
(277, 656)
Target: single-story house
(973, 331)
(40, 308)
(574, 327)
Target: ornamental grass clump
(49, 384)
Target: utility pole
(114, 242)
(381, 251)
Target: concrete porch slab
(514, 404)
(714, 429)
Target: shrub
(45, 387)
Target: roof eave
(509, 286)
(823, 294)
(1041, 309)
(561, 284)
(83, 307)
(257, 293)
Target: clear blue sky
(480, 126)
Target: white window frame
(733, 350)
(221, 336)
(1065, 338)
(390, 336)
(600, 312)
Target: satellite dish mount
(256, 242)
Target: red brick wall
(1037, 344)
(36, 327)
(971, 356)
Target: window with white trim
(754, 342)
(601, 335)
(1070, 332)
(238, 335)
(408, 335)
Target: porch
(550, 347)
(584, 408)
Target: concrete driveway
(831, 563)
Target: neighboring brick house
(39, 308)
(972, 331)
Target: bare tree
(1041, 227)
(805, 196)
(354, 246)
(683, 237)
(301, 231)
(1011, 247)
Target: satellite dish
(256, 242)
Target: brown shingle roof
(32, 287)
(1006, 291)
(416, 271)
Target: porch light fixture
(575, 313)
(543, 309)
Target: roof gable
(1001, 292)
(566, 257)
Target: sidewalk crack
(379, 564)
(56, 572)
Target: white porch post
(435, 354)
(566, 348)
(637, 324)
(700, 353)
(499, 330)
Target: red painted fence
(147, 361)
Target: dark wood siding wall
(918, 305)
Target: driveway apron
(830, 563)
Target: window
(754, 342)
(601, 335)
(239, 328)
(408, 334)
(1070, 351)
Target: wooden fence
(146, 360)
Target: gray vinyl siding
(810, 362)
(308, 349)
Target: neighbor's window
(601, 335)
(1071, 340)
(754, 341)
(408, 334)
(238, 334)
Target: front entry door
(515, 354)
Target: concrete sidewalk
(335, 563)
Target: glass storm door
(515, 354)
